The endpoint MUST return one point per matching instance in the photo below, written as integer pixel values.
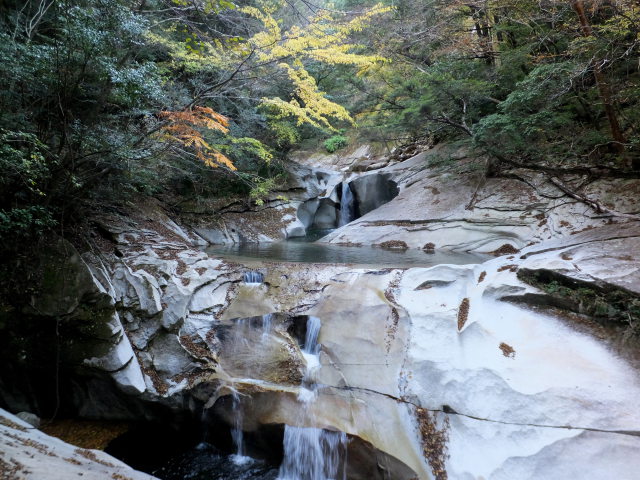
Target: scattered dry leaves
(434, 442)
(92, 434)
(11, 424)
(463, 313)
(393, 245)
(506, 249)
(89, 455)
(11, 470)
(507, 350)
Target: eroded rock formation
(441, 372)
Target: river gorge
(448, 326)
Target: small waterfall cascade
(237, 435)
(263, 325)
(267, 320)
(252, 277)
(312, 453)
(245, 327)
(347, 207)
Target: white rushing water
(346, 205)
(252, 277)
(267, 321)
(312, 453)
(309, 453)
(237, 434)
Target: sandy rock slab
(29, 454)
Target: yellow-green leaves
(325, 39)
(310, 105)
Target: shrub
(335, 143)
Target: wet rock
(169, 358)
(372, 191)
(31, 418)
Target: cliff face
(514, 367)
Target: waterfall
(252, 277)
(244, 327)
(346, 205)
(237, 435)
(311, 453)
(267, 320)
(310, 352)
(311, 338)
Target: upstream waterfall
(253, 277)
(312, 453)
(347, 207)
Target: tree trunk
(603, 86)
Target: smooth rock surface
(29, 454)
(461, 210)
(511, 388)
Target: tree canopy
(531, 82)
(106, 98)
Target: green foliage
(87, 85)
(24, 224)
(247, 146)
(325, 38)
(286, 135)
(606, 304)
(22, 162)
(79, 88)
(90, 89)
(261, 189)
(517, 78)
(335, 143)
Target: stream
(231, 449)
(307, 453)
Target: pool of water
(205, 462)
(304, 252)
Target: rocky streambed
(516, 365)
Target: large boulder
(446, 202)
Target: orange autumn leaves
(184, 128)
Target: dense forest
(104, 99)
